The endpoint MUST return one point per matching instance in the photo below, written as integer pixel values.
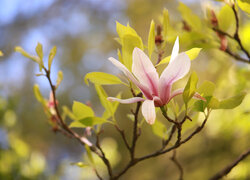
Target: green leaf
(51, 56)
(213, 103)
(59, 78)
(189, 17)
(103, 99)
(27, 55)
(244, 5)
(114, 105)
(89, 154)
(120, 56)
(151, 39)
(206, 89)
(232, 102)
(165, 23)
(129, 39)
(159, 129)
(87, 122)
(192, 54)
(80, 164)
(1, 53)
(81, 110)
(226, 19)
(190, 88)
(101, 78)
(39, 51)
(38, 95)
(68, 112)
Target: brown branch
(176, 162)
(229, 167)
(83, 140)
(97, 174)
(135, 131)
(123, 136)
(235, 37)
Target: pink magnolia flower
(156, 90)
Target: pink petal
(180, 91)
(126, 101)
(175, 50)
(176, 70)
(145, 90)
(148, 111)
(145, 71)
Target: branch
(83, 140)
(176, 162)
(228, 168)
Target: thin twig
(97, 174)
(229, 167)
(177, 163)
(123, 137)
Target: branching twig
(176, 162)
(228, 168)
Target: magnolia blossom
(156, 90)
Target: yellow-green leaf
(81, 110)
(206, 89)
(80, 164)
(190, 87)
(232, 102)
(38, 95)
(103, 99)
(189, 17)
(226, 19)
(101, 78)
(1, 53)
(25, 54)
(192, 54)
(39, 51)
(244, 5)
(151, 39)
(51, 56)
(87, 122)
(59, 78)
(165, 23)
(159, 129)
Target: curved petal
(148, 111)
(175, 50)
(143, 88)
(126, 101)
(145, 71)
(180, 91)
(173, 72)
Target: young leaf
(159, 129)
(68, 112)
(192, 54)
(38, 95)
(190, 87)
(89, 154)
(27, 55)
(151, 39)
(129, 39)
(103, 99)
(51, 56)
(189, 17)
(206, 89)
(80, 164)
(165, 23)
(232, 102)
(87, 122)
(39, 51)
(81, 110)
(226, 19)
(244, 5)
(101, 78)
(59, 78)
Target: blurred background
(84, 32)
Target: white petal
(173, 72)
(145, 71)
(148, 111)
(175, 50)
(126, 101)
(145, 90)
